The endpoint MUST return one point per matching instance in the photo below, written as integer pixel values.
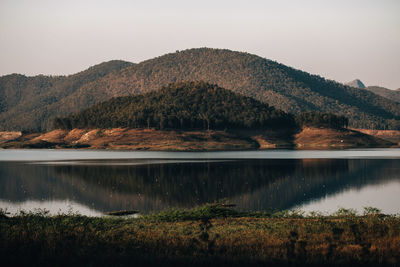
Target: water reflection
(152, 185)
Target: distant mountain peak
(356, 84)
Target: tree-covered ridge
(182, 105)
(320, 119)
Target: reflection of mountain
(20, 182)
(252, 184)
(183, 184)
(317, 178)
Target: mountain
(280, 86)
(25, 101)
(356, 84)
(181, 105)
(387, 93)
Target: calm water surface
(94, 182)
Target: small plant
(3, 213)
(38, 212)
(371, 211)
(341, 212)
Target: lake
(93, 182)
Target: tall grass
(210, 234)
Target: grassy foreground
(208, 235)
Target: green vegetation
(34, 102)
(193, 105)
(184, 105)
(210, 234)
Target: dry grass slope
(311, 137)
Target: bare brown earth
(135, 139)
(151, 139)
(311, 137)
(6, 136)
(390, 135)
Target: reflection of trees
(183, 183)
(20, 182)
(318, 178)
(252, 184)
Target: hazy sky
(337, 39)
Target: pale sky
(337, 39)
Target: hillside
(387, 93)
(25, 101)
(193, 116)
(280, 86)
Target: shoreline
(309, 138)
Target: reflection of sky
(49, 154)
(122, 163)
(382, 196)
(54, 207)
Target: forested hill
(280, 86)
(182, 105)
(390, 94)
(31, 102)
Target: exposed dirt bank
(135, 139)
(333, 138)
(151, 139)
(389, 135)
(7, 136)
